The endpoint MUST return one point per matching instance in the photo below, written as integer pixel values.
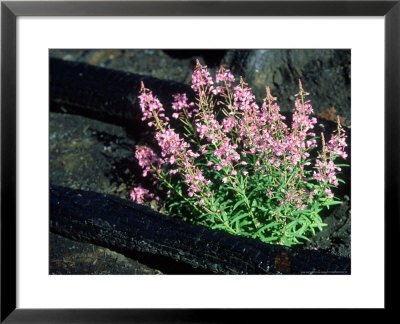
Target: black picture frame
(10, 10)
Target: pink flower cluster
(140, 194)
(218, 141)
(180, 103)
(337, 144)
(171, 144)
(325, 165)
(288, 146)
(226, 77)
(243, 99)
(202, 81)
(174, 149)
(295, 198)
(147, 160)
(150, 105)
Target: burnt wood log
(123, 225)
(105, 94)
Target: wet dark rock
(325, 74)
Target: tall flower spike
(301, 92)
(337, 143)
(201, 79)
(269, 96)
(270, 114)
(225, 76)
(152, 108)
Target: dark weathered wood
(118, 224)
(105, 94)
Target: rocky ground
(91, 155)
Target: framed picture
(346, 43)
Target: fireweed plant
(238, 167)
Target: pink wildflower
(337, 144)
(243, 97)
(138, 194)
(229, 124)
(180, 103)
(325, 162)
(224, 75)
(201, 79)
(329, 193)
(150, 104)
(170, 142)
(147, 159)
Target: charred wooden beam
(105, 94)
(128, 227)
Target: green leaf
(303, 237)
(174, 204)
(269, 239)
(221, 226)
(187, 129)
(238, 217)
(263, 209)
(254, 191)
(237, 204)
(331, 203)
(267, 226)
(292, 224)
